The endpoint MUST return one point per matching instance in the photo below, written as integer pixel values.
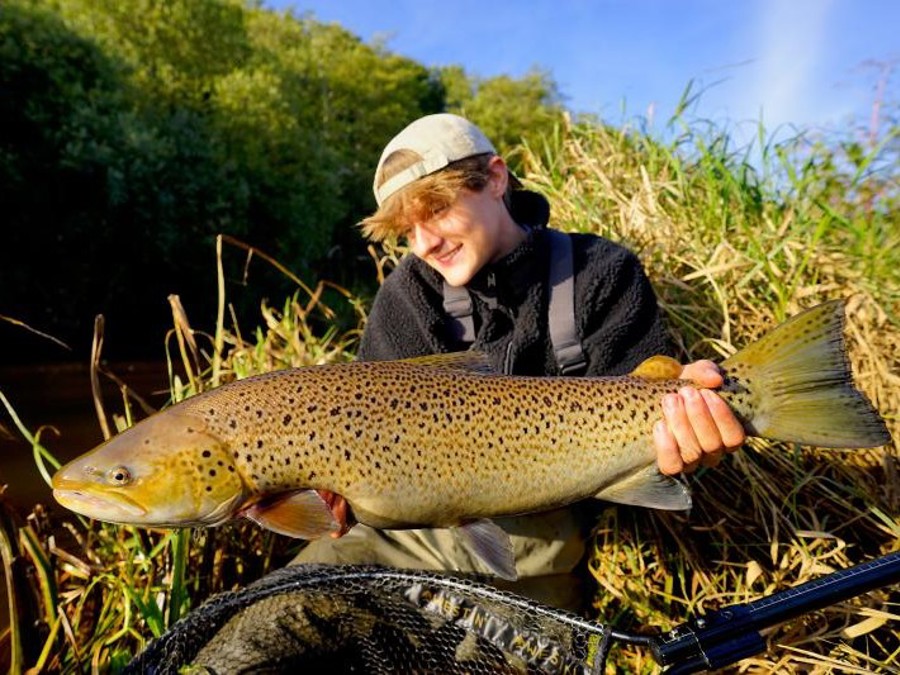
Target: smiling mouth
(444, 258)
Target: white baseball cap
(439, 140)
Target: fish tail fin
(796, 385)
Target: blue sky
(799, 62)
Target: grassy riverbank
(732, 250)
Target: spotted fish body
(410, 444)
(440, 442)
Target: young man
(479, 240)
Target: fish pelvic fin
(491, 544)
(649, 488)
(799, 385)
(304, 514)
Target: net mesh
(371, 619)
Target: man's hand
(698, 426)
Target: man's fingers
(667, 456)
(680, 427)
(700, 420)
(703, 373)
(729, 428)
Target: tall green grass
(734, 242)
(733, 246)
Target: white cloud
(787, 81)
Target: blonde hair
(421, 199)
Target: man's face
(463, 238)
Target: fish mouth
(115, 507)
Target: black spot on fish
(231, 468)
(334, 412)
(312, 435)
(248, 457)
(247, 408)
(259, 414)
(347, 455)
(209, 488)
(394, 403)
(259, 443)
(212, 411)
(212, 472)
(377, 465)
(311, 408)
(286, 420)
(207, 453)
(312, 474)
(233, 424)
(359, 432)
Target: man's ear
(499, 176)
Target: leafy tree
(137, 131)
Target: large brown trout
(442, 442)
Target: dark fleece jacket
(616, 311)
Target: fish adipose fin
(490, 543)
(304, 514)
(649, 488)
(800, 380)
(658, 367)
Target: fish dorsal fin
(469, 361)
(303, 514)
(649, 488)
(490, 543)
(658, 367)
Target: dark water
(59, 396)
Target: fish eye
(119, 475)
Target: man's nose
(424, 241)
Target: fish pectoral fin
(649, 488)
(490, 543)
(658, 367)
(305, 514)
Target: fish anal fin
(305, 514)
(658, 367)
(491, 545)
(649, 488)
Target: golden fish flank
(387, 436)
(440, 442)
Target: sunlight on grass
(732, 249)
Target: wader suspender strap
(560, 312)
(561, 309)
(458, 304)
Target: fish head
(166, 471)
